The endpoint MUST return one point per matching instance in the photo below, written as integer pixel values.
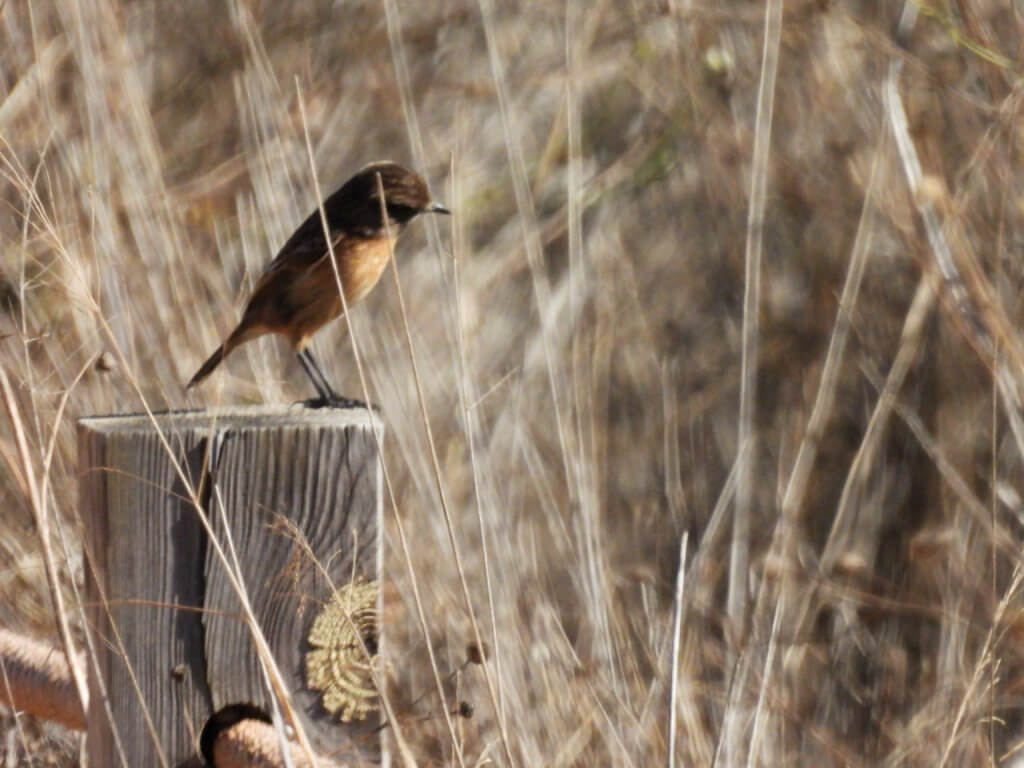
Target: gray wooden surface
(169, 604)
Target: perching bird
(298, 292)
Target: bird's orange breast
(297, 304)
(361, 266)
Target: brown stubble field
(592, 341)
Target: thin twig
(470, 418)
(739, 554)
(796, 487)
(754, 753)
(677, 628)
(528, 216)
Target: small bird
(298, 293)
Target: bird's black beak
(437, 208)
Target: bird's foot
(333, 401)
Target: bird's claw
(333, 401)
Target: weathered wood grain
(161, 605)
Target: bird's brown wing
(303, 251)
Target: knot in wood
(343, 639)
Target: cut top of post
(234, 417)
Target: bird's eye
(400, 212)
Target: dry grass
(579, 334)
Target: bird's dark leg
(327, 397)
(320, 383)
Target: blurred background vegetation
(579, 328)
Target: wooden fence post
(173, 648)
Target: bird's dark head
(358, 201)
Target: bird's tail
(207, 368)
(243, 333)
